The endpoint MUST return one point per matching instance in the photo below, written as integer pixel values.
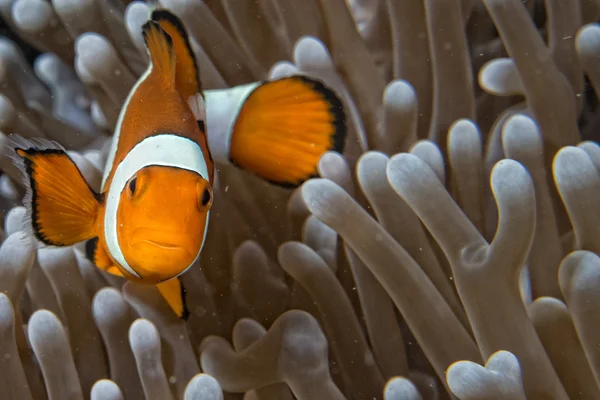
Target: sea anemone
(452, 251)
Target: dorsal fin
(160, 48)
(186, 76)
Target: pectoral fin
(62, 208)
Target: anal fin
(174, 294)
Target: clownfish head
(162, 221)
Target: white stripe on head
(166, 150)
(115, 140)
(222, 109)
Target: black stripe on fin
(160, 49)
(166, 15)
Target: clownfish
(150, 219)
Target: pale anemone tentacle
(203, 319)
(23, 75)
(403, 225)
(257, 280)
(451, 70)
(322, 239)
(494, 152)
(60, 266)
(579, 275)
(588, 48)
(249, 34)
(400, 117)
(341, 326)
(105, 389)
(51, 347)
(555, 328)
(299, 18)
(80, 16)
(104, 109)
(522, 141)
(294, 350)
(11, 120)
(13, 373)
(564, 19)
(409, 35)
(145, 343)
(500, 77)
(203, 387)
(499, 379)
(180, 364)
(396, 272)
(245, 333)
(579, 186)
(474, 260)
(14, 220)
(430, 153)
(466, 164)
(548, 93)
(593, 152)
(39, 19)
(380, 320)
(70, 98)
(91, 48)
(18, 255)
(401, 389)
(114, 317)
(41, 291)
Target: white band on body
(222, 109)
(166, 150)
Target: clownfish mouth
(162, 239)
(164, 245)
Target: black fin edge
(185, 313)
(29, 170)
(90, 249)
(33, 203)
(336, 107)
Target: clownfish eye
(206, 197)
(132, 185)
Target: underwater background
(452, 251)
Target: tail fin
(62, 208)
(161, 51)
(186, 75)
(283, 128)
